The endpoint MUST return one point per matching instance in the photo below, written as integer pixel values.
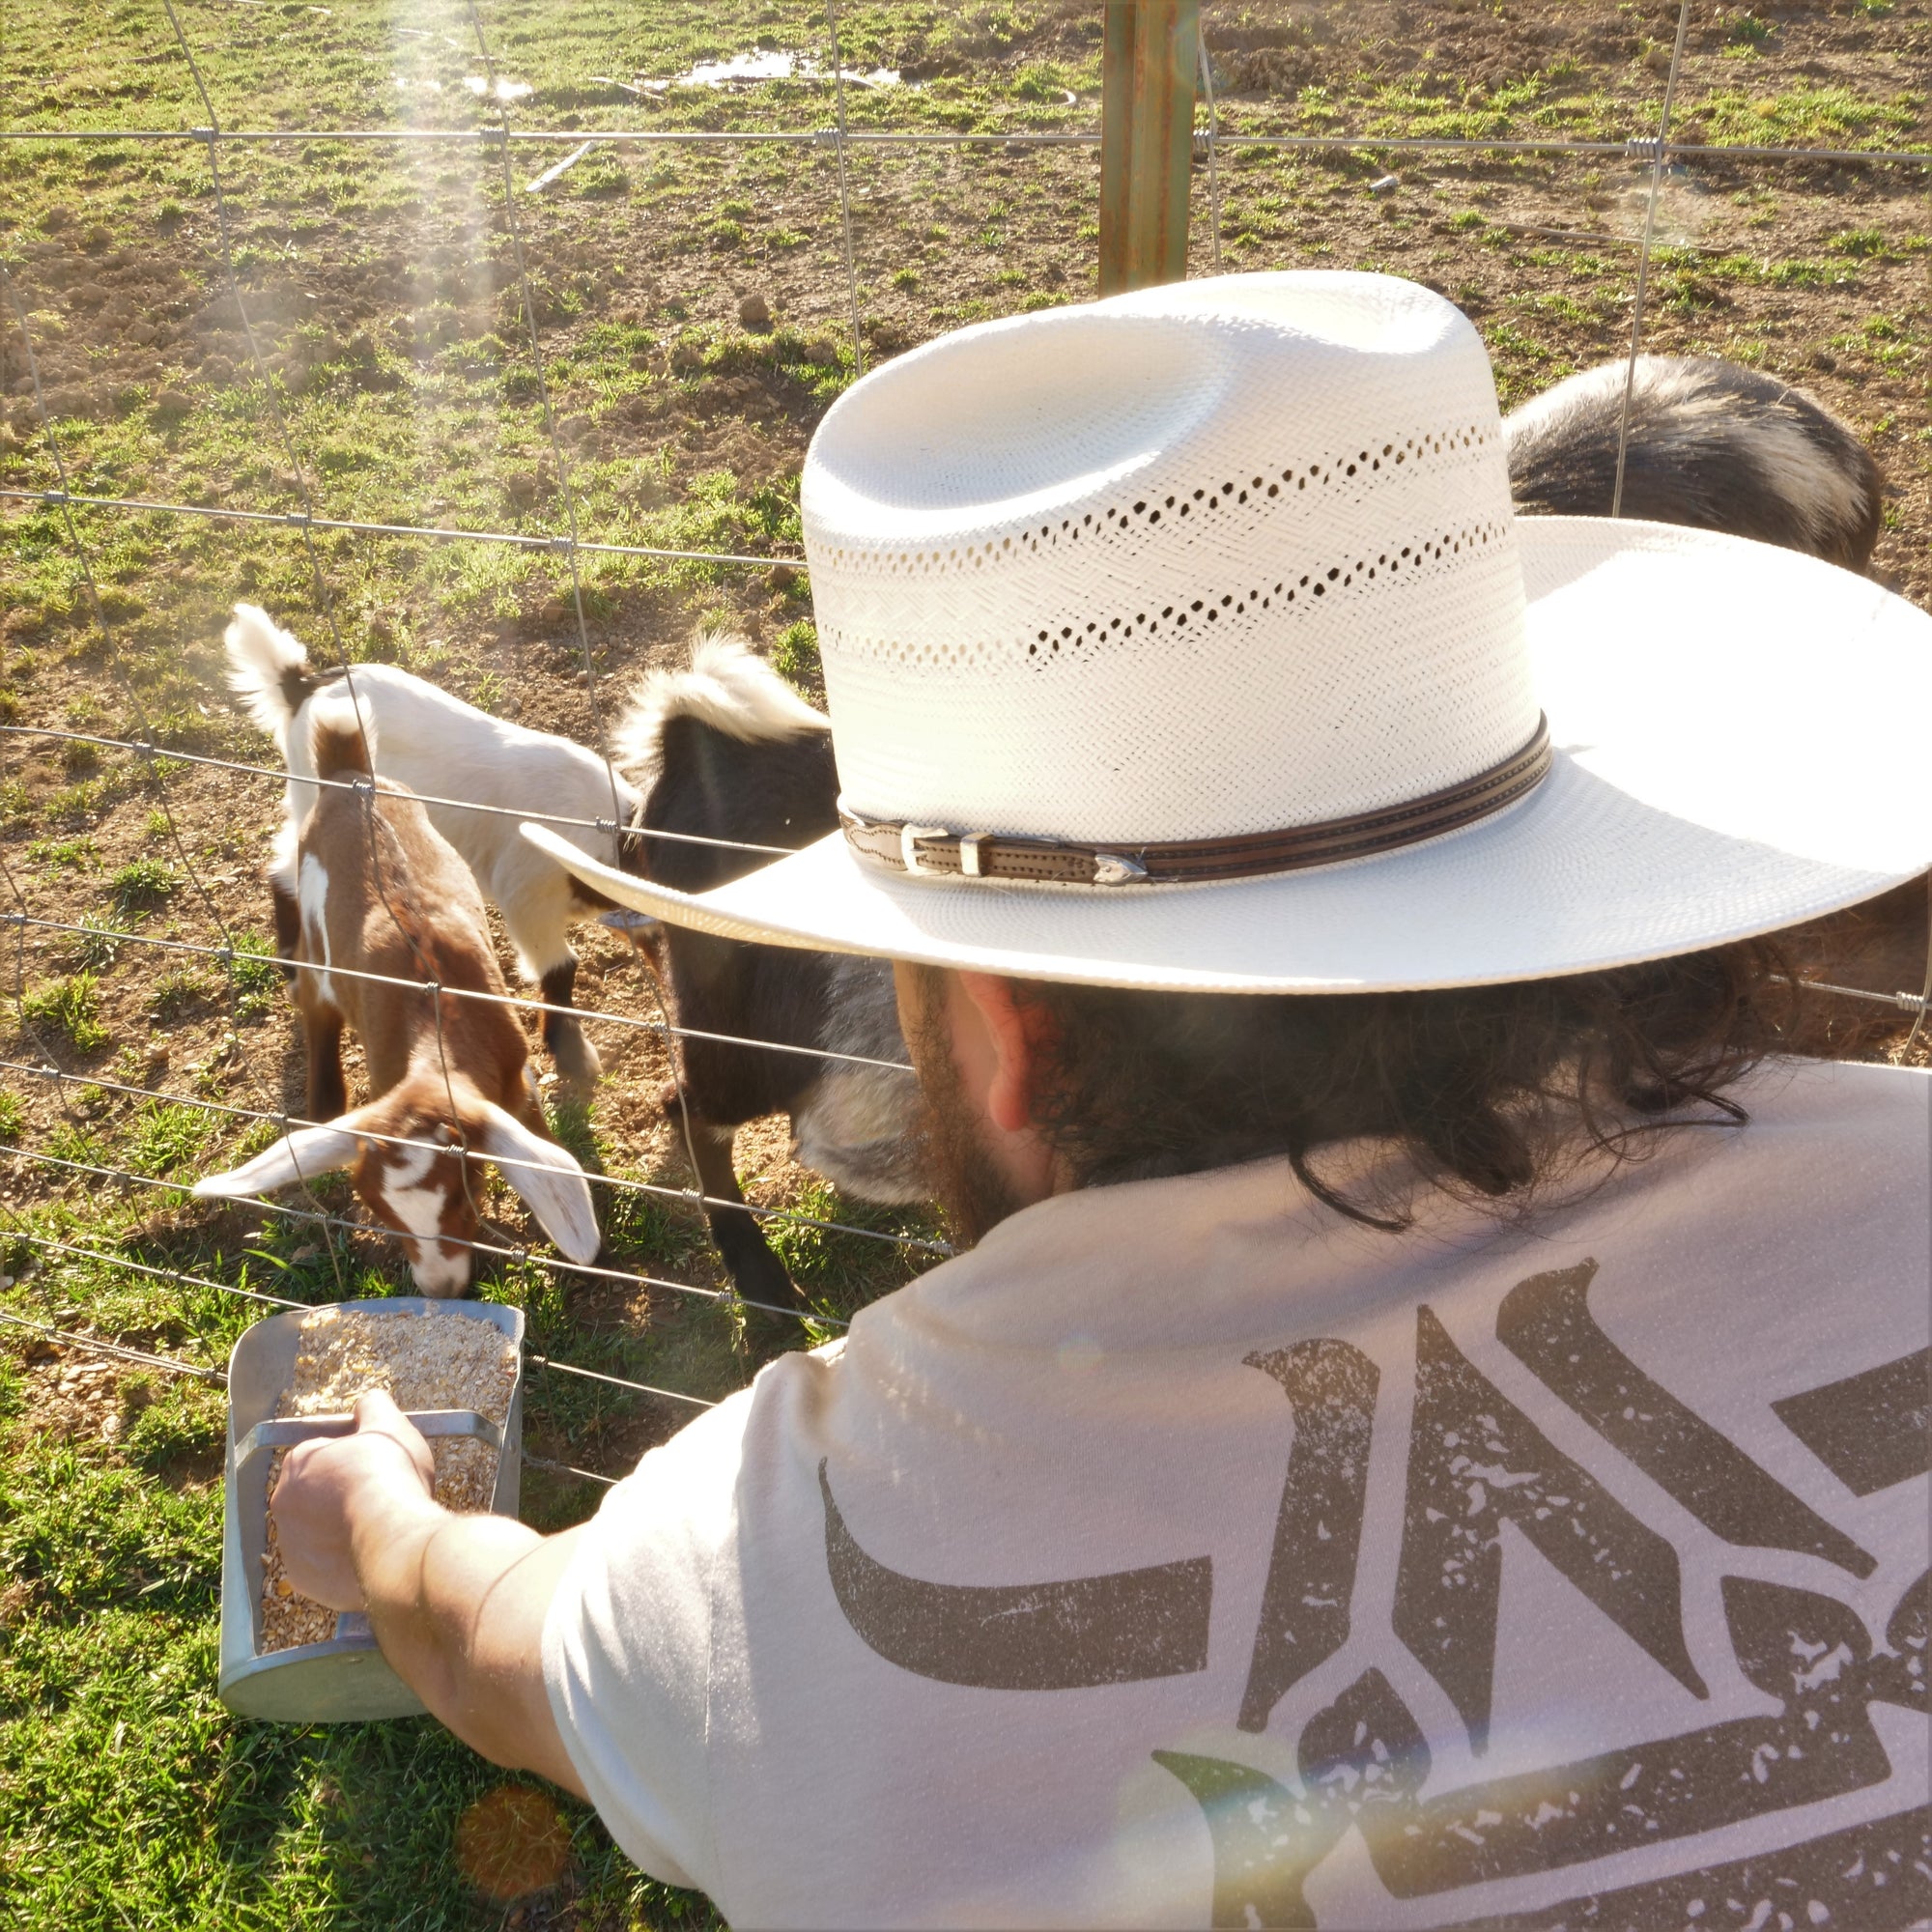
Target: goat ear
(302, 1155)
(549, 1179)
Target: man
(1428, 1435)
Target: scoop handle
(284, 1432)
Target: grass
(128, 1795)
(253, 973)
(141, 886)
(399, 385)
(123, 1780)
(70, 1009)
(795, 656)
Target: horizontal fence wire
(118, 1352)
(319, 1217)
(100, 1347)
(301, 520)
(555, 1468)
(230, 954)
(146, 749)
(829, 138)
(621, 1183)
(1904, 1002)
(283, 1302)
(821, 137)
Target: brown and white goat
(438, 745)
(381, 892)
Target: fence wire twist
(156, 761)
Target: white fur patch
(729, 687)
(334, 712)
(438, 1273)
(312, 900)
(411, 1206)
(259, 654)
(419, 1211)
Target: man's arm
(457, 1601)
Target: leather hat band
(987, 854)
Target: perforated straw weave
(1196, 562)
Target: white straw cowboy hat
(1187, 640)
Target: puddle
(748, 70)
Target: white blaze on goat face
(422, 1209)
(312, 899)
(441, 1268)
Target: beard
(969, 1186)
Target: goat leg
(756, 1273)
(563, 1037)
(327, 1092)
(288, 923)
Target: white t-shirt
(1188, 1555)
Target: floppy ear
(549, 1179)
(301, 1155)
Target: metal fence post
(1146, 141)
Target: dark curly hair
(1494, 1091)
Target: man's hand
(327, 1488)
(457, 1601)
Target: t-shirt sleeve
(627, 1646)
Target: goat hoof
(759, 1277)
(578, 1063)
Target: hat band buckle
(936, 851)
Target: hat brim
(1733, 755)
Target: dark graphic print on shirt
(1476, 1461)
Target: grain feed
(424, 1361)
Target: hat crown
(1207, 559)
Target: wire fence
(159, 764)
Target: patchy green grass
(69, 1009)
(98, 943)
(128, 1797)
(141, 886)
(795, 656)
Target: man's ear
(1021, 1035)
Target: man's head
(1035, 1088)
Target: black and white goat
(380, 892)
(1712, 445)
(728, 749)
(435, 744)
